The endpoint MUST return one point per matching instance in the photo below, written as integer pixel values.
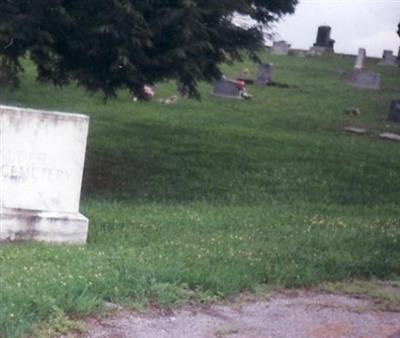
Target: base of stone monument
(318, 51)
(390, 63)
(226, 96)
(43, 226)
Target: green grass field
(206, 199)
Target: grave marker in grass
(280, 48)
(362, 79)
(388, 59)
(264, 74)
(394, 114)
(360, 59)
(41, 165)
(226, 88)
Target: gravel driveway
(304, 315)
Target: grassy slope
(218, 196)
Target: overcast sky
(370, 24)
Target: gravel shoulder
(303, 314)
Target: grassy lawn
(209, 198)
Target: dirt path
(305, 315)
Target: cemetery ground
(201, 200)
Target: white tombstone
(280, 48)
(360, 59)
(41, 165)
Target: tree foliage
(110, 44)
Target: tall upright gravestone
(362, 53)
(324, 43)
(41, 165)
(361, 78)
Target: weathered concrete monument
(365, 80)
(280, 48)
(42, 156)
(324, 43)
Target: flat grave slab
(355, 130)
(390, 136)
(365, 80)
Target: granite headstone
(394, 114)
(226, 88)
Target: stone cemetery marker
(264, 74)
(365, 80)
(390, 136)
(360, 58)
(394, 111)
(355, 130)
(280, 48)
(226, 88)
(324, 43)
(323, 36)
(388, 59)
(41, 164)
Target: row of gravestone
(324, 44)
(360, 78)
(364, 79)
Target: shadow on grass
(161, 162)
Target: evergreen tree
(110, 44)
